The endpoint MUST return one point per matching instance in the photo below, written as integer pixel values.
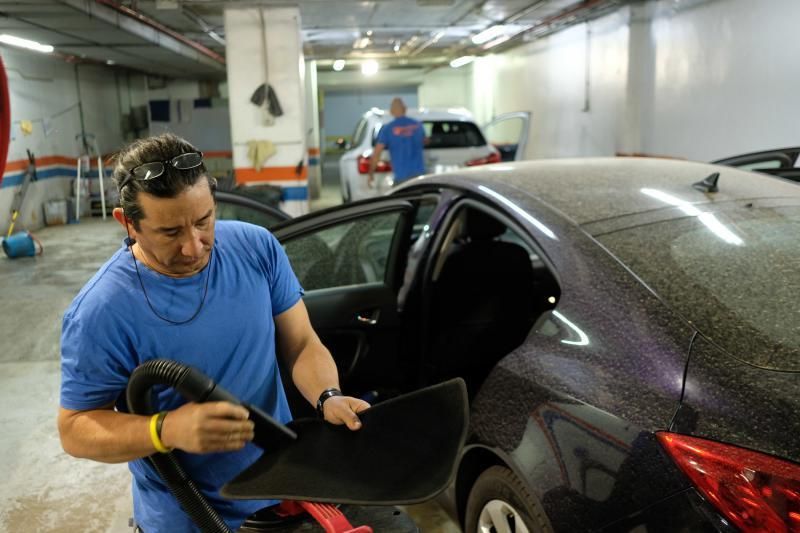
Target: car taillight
(755, 491)
(363, 165)
(494, 157)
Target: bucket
(21, 244)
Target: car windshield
(452, 134)
(734, 273)
(448, 134)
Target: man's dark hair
(168, 185)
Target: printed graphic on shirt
(405, 131)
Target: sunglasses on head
(154, 169)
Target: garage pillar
(312, 130)
(264, 47)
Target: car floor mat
(405, 452)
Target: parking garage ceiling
(186, 38)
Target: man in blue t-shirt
(219, 296)
(404, 137)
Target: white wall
(698, 79)
(446, 87)
(548, 77)
(44, 90)
(725, 78)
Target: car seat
(483, 302)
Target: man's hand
(207, 427)
(370, 180)
(343, 410)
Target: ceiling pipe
(207, 29)
(148, 29)
(574, 10)
(147, 21)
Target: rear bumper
(685, 511)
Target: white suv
(452, 140)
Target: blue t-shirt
(109, 330)
(405, 139)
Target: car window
(232, 211)
(358, 132)
(354, 252)
(505, 131)
(733, 273)
(375, 132)
(452, 134)
(771, 163)
(423, 215)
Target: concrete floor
(43, 489)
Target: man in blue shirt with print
(219, 296)
(404, 137)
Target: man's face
(176, 234)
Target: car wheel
(500, 503)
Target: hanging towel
(258, 152)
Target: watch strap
(327, 393)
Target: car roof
(596, 190)
(424, 113)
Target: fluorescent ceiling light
(461, 61)
(338, 65)
(495, 42)
(488, 34)
(498, 34)
(25, 43)
(369, 68)
(362, 43)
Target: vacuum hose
(194, 386)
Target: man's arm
(373, 162)
(311, 366)
(109, 436)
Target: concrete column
(640, 90)
(312, 130)
(281, 65)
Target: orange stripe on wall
(22, 164)
(313, 151)
(247, 175)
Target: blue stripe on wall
(294, 193)
(12, 180)
(313, 161)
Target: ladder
(88, 149)
(19, 197)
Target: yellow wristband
(154, 432)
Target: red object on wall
(5, 119)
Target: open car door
(509, 134)
(349, 260)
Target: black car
(631, 344)
(781, 162)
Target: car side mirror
(342, 143)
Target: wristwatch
(327, 393)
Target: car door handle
(369, 318)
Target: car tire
(499, 496)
